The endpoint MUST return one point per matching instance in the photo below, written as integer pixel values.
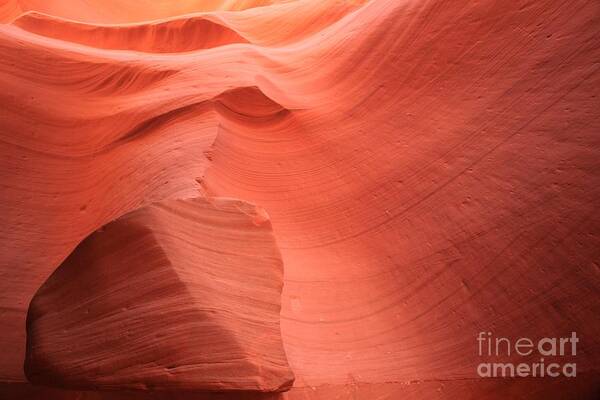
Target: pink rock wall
(431, 171)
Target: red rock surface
(178, 295)
(431, 170)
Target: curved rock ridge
(123, 134)
(169, 36)
(249, 103)
(183, 294)
(430, 169)
(285, 23)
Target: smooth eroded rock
(182, 294)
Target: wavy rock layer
(176, 35)
(430, 169)
(179, 295)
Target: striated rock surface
(167, 36)
(430, 168)
(183, 295)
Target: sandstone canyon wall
(405, 173)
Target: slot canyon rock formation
(158, 300)
(297, 199)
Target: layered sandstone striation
(178, 295)
(430, 169)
